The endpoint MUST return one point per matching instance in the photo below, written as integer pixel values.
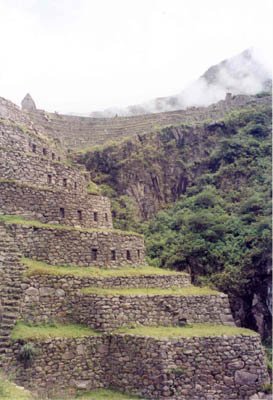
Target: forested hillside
(212, 184)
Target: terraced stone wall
(218, 368)
(106, 313)
(48, 297)
(80, 132)
(79, 247)
(54, 206)
(33, 169)
(189, 368)
(61, 364)
(11, 111)
(28, 140)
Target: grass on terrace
(41, 268)
(175, 291)
(188, 331)
(105, 394)
(9, 391)
(19, 220)
(23, 330)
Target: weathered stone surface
(43, 204)
(151, 368)
(28, 103)
(106, 313)
(244, 377)
(67, 246)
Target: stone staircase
(10, 289)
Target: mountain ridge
(241, 74)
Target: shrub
(27, 354)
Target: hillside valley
(212, 181)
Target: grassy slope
(19, 220)
(9, 391)
(40, 268)
(56, 330)
(187, 291)
(195, 330)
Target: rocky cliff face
(232, 154)
(153, 169)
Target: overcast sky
(84, 55)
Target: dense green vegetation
(218, 226)
(220, 230)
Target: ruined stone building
(62, 262)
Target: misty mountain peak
(241, 74)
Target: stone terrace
(83, 132)
(41, 184)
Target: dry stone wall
(49, 205)
(48, 297)
(218, 368)
(31, 168)
(209, 368)
(23, 139)
(61, 364)
(84, 248)
(106, 313)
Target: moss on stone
(19, 220)
(24, 330)
(188, 331)
(92, 188)
(41, 268)
(175, 291)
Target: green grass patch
(41, 268)
(188, 331)
(175, 291)
(10, 391)
(19, 220)
(24, 330)
(92, 188)
(105, 394)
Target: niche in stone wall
(95, 216)
(62, 212)
(44, 151)
(138, 254)
(94, 254)
(53, 156)
(34, 148)
(113, 255)
(75, 185)
(49, 179)
(79, 212)
(64, 182)
(128, 255)
(106, 217)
